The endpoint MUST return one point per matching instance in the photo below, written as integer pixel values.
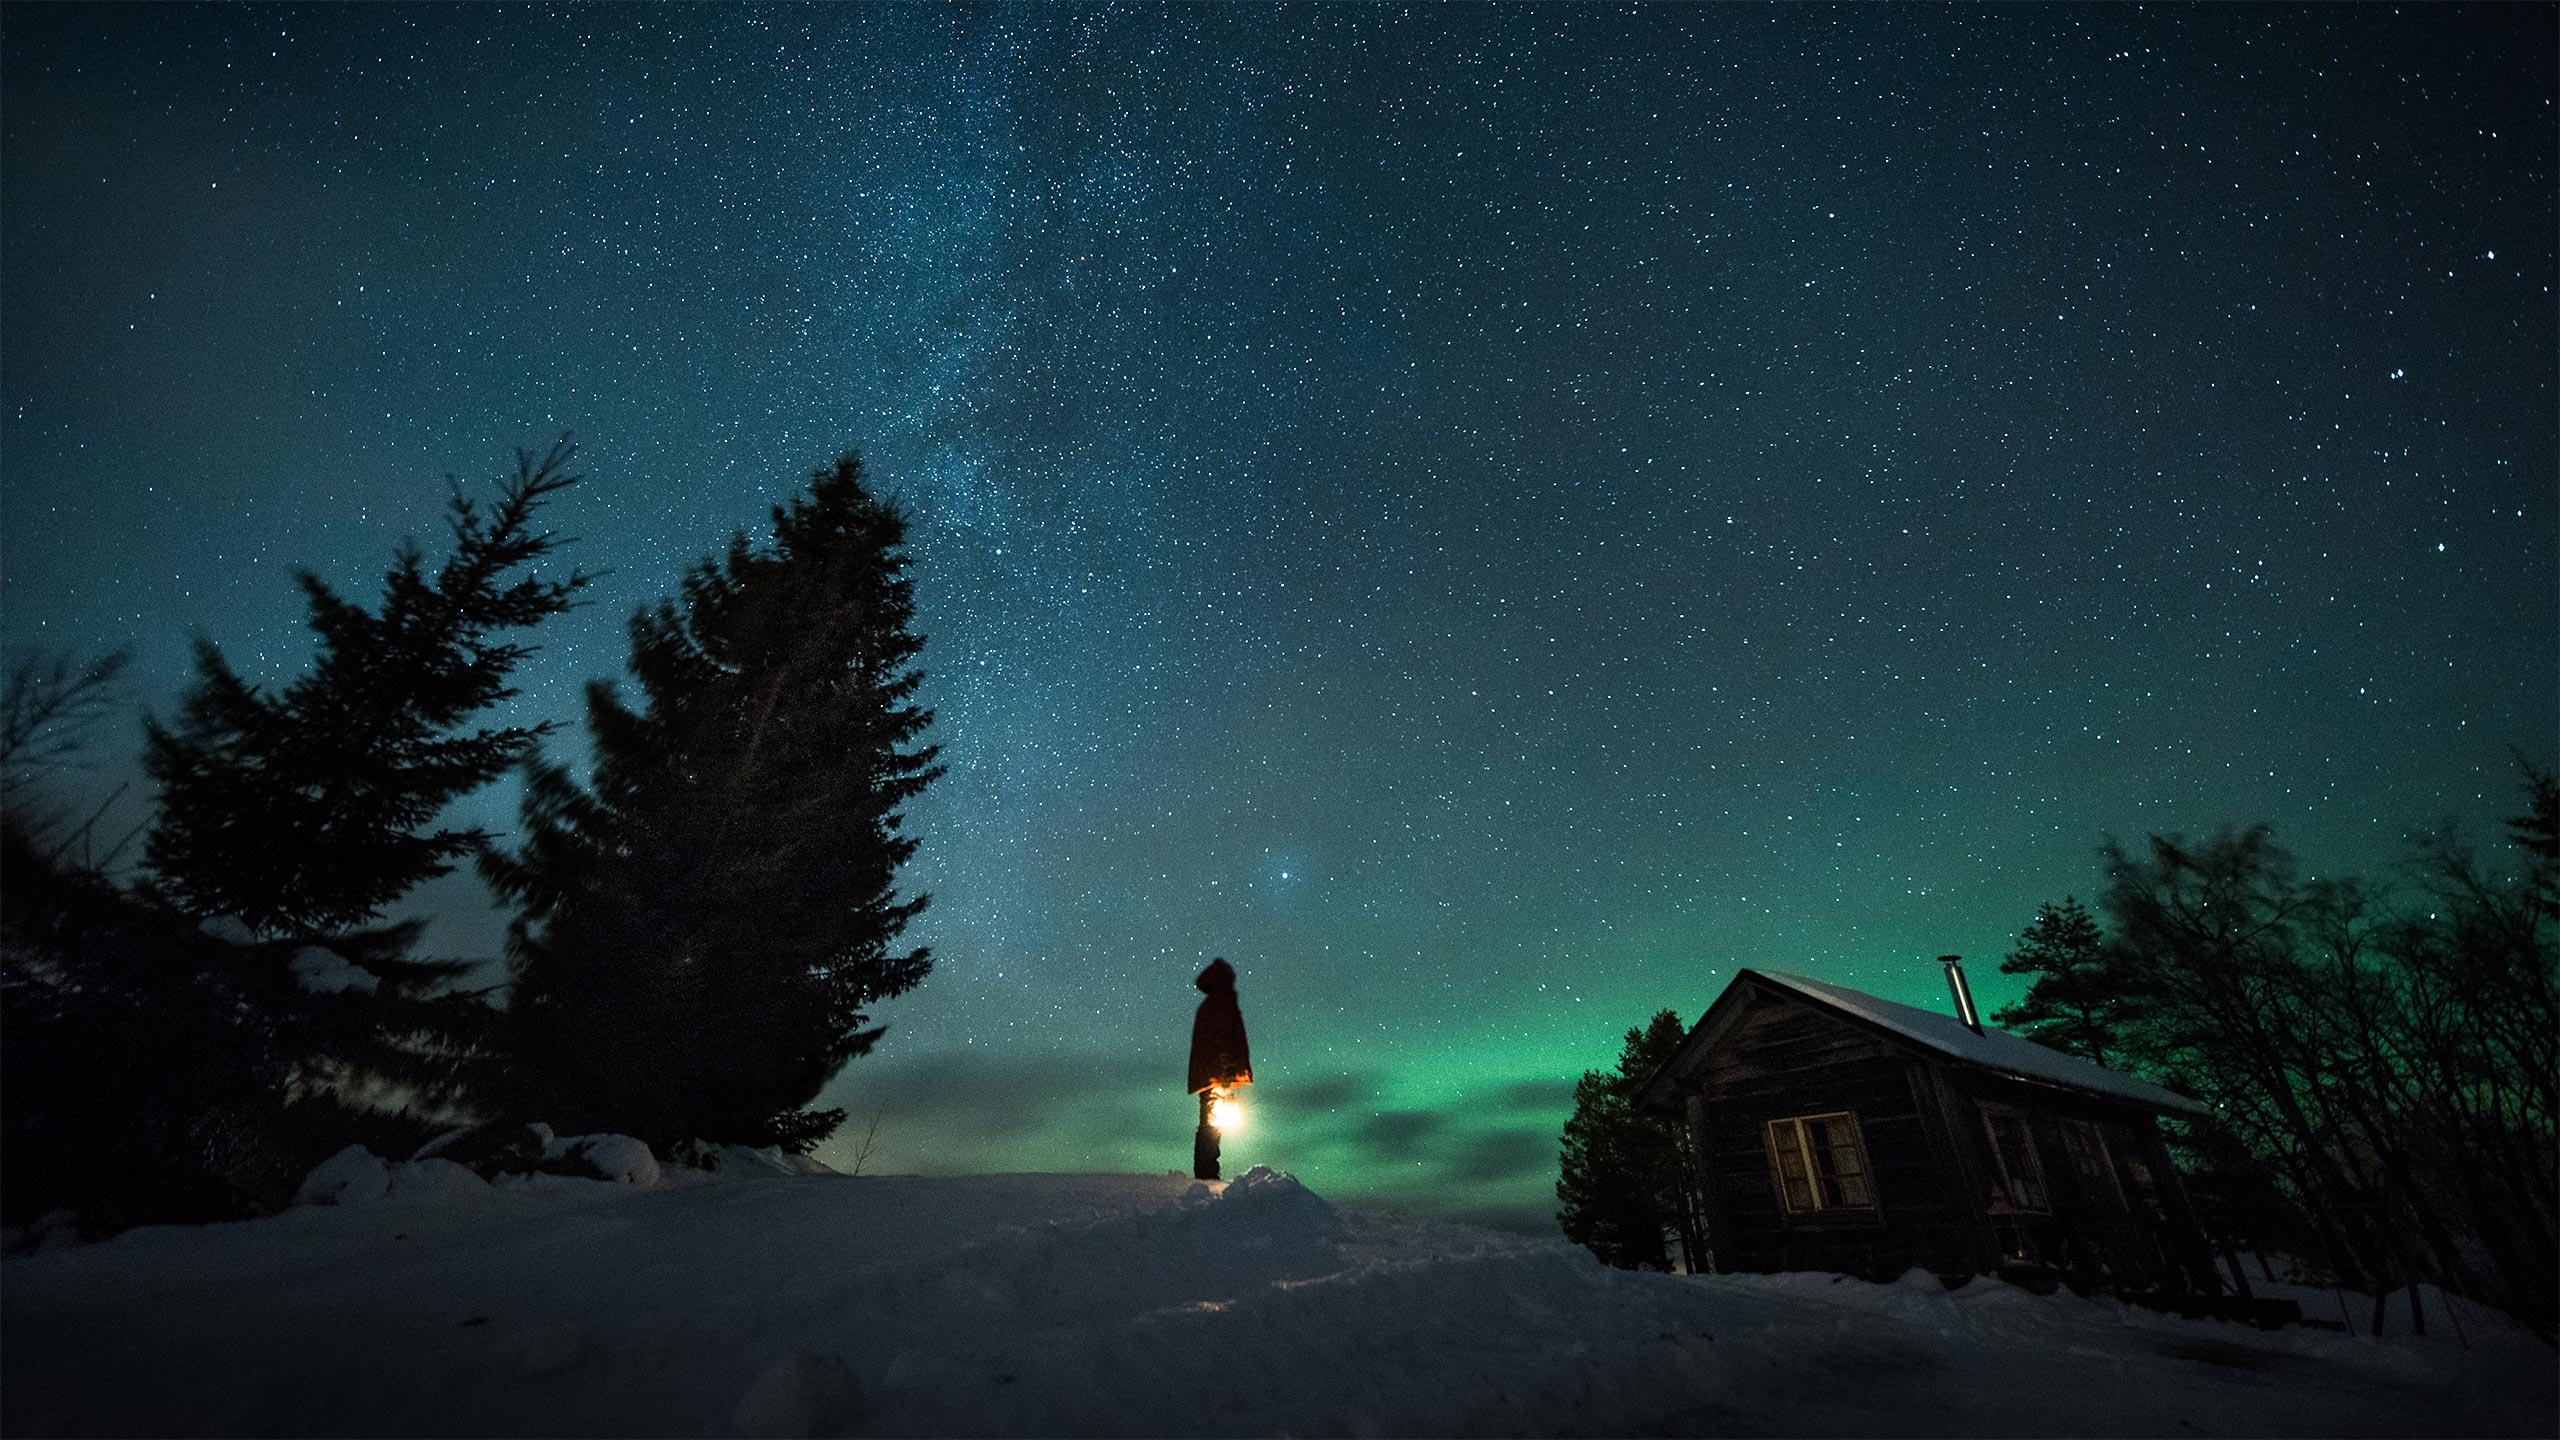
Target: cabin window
(2089, 1160)
(2020, 1171)
(1820, 1163)
(2126, 1150)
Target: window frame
(1790, 1136)
(2134, 1175)
(2093, 1163)
(1993, 1114)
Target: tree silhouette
(310, 809)
(301, 813)
(1630, 1181)
(704, 928)
(2073, 1001)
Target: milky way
(1489, 518)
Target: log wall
(1783, 1058)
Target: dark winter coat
(1219, 1055)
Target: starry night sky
(1490, 519)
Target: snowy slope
(1112, 1305)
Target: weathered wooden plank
(1783, 1060)
(1879, 1078)
(1781, 1048)
(1735, 1081)
(1870, 1105)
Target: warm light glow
(1227, 1115)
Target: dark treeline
(700, 928)
(2383, 1059)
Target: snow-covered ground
(1108, 1305)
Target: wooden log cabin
(1839, 1131)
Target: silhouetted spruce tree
(1630, 1180)
(2075, 998)
(704, 928)
(302, 812)
(309, 809)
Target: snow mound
(511, 1151)
(357, 1176)
(432, 1180)
(604, 1157)
(1265, 1187)
(444, 1142)
(353, 1176)
(323, 971)
(230, 930)
(742, 1161)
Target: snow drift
(744, 1300)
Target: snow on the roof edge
(1994, 1049)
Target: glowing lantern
(1226, 1114)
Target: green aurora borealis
(1490, 519)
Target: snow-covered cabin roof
(1946, 1035)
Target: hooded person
(1220, 1058)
